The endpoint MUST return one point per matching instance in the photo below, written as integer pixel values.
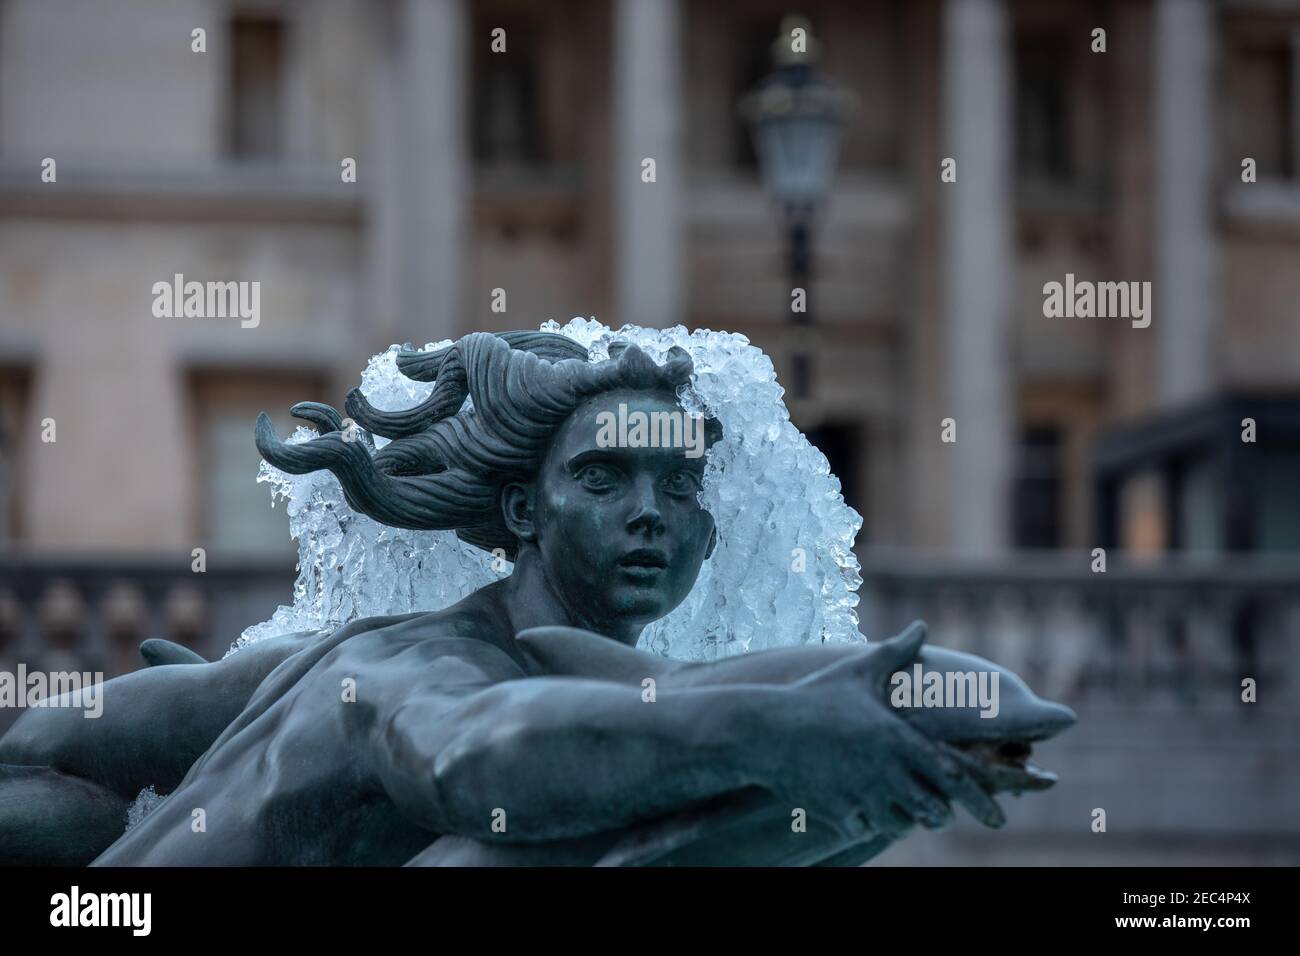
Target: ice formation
(143, 805)
(783, 571)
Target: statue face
(618, 524)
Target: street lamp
(795, 115)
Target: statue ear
(517, 511)
(713, 543)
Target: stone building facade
(520, 171)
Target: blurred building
(521, 171)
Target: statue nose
(646, 517)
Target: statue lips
(644, 565)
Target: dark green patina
(516, 726)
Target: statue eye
(596, 477)
(682, 482)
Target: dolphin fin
(157, 651)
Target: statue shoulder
(463, 644)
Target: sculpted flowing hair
(445, 466)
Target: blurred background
(522, 170)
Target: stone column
(381, 183)
(1183, 294)
(648, 228)
(978, 212)
(433, 168)
(1293, 130)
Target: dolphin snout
(1053, 718)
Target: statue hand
(856, 764)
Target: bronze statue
(520, 725)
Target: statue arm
(573, 651)
(865, 753)
(567, 757)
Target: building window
(752, 61)
(507, 124)
(14, 428)
(839, 443)
(235, 513)
(1261, 116)
(1036, 507)
(239, 516)
(255, 114)
(1278, 518)
(1043, 147)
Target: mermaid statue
(525, 637)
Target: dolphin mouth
(1003, 765)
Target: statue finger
(949, 777)
(889, 818)
(849, 823)
(928, 808)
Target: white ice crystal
(143, 805)
(783, 571)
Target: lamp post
(795, 115)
